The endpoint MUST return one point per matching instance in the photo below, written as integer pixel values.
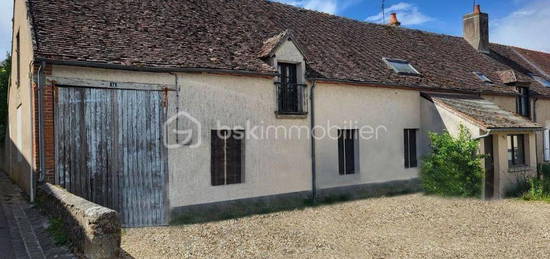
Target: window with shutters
(410, 148)
(522, 102)
(227, 157)
(546, 145)
(347, 151)
(291, 97)
(516, 150)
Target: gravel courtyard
(403, 226)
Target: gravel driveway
(403, 226)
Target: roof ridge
(387, 26)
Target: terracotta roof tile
(224, 34)
(481, 112)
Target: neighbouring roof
(223, 34)
(481, 112)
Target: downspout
(177, 104)
(40, 78)
(313, 162)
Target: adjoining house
(95, 81)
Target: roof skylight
(541, 80)
(483, 77)
(401, 66)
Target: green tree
(5, 70)
(453, 168)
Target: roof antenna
(383, 13)
(474, 6)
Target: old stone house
(95, 81)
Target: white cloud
(527, 27)
(407, 14)
(6, 13)
(326, 6)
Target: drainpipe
(312, 125)
(177, 104)
(40, 87)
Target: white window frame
(389, 62)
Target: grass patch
(539, 190)
(59, 235)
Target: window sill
(291, 115)
(519, 169)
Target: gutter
(489, 131)
(313, 161)
(153, 69)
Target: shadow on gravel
(242, 209)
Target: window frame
(290, 88)
(343, 149)
(523, 101)
(389, 62)
(226, 165)
(484, 78)
(511, 146)
(410, 158)
(541, 80)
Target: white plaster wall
(506, 177)
(431, 121)
(271, 166)
(289, 53)
(453, 121)
(20, 167)
(505, 102)
(382, 158)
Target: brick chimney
(393, 20)
(476, 29)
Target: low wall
(95, 231)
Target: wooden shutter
(406, 147)
(350, 151)
(346, 151)
(234, 158)
(341, 155)
(217, 159)
(412, 148)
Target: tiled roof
(230, 34)
(481, 112)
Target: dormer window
(541, 80)
(290, 93)
(483, 77)
(401, 67)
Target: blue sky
(523, 23)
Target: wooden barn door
(109, 150)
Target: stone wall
(95, 231)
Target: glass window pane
(401, 66)
(520, 150)
(510, 159)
